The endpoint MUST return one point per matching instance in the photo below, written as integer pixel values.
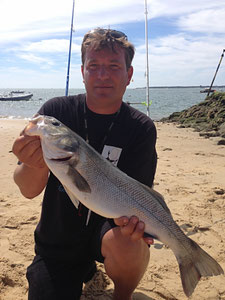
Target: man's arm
(31, 175)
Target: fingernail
(134, 220)
(141, 225)
(150, 241)
(125, 222)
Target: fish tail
(196, 265)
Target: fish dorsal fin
(72, 197)
(158, 197)
(78, 180)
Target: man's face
(105, 76)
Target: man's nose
(103, 72)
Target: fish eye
(55, 123)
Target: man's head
(106, 69)
(99, 39)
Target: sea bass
(104, 189)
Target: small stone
(221, 142)
(219, 191)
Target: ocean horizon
(164, 100)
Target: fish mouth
(61, 158)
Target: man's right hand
(32, 175)
(28, 151)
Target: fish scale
(92, 180)
(116, 189)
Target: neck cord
(102, 145)
(108, 130)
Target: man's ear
(82, 71)
(130, 74)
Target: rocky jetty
(207, 117)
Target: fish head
(58, 142)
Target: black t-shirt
(131, 141)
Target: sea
(164, 100)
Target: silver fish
(107, 191)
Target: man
(69, 241)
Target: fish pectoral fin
(72, 197)
(79, 180)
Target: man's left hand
(134, 228)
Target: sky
(185, 40)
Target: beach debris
(209, 134)
(6, 280)
(98, 283)
(219, 191)
(221, 142)
(92, 180)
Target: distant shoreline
(129, 88)
(181, 87)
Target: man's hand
(32, 175)
(28, 151)
(134, 228)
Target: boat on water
(207, 90)
(16, 96)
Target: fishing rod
(147, 65)
(70, 46)
(147, 101)
(141, 103)
(216, 73)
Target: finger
(138, 231)
(148, 240)
(34, 157)
(28, 150)
(130, 227)
(32, 149)
(21, 142)
(40, 159)
(122, 221)
(35, 152)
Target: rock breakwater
(207, 117)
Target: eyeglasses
(110, 33)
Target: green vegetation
(207, 117)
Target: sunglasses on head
(115, 34)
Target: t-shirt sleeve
(51, 108)
(67, 110)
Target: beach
(191, 177)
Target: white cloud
(29, 19)
(50, 46)
(38, 32)
(36, 59)
(181, 60)
(207, 21)
(181, 7)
